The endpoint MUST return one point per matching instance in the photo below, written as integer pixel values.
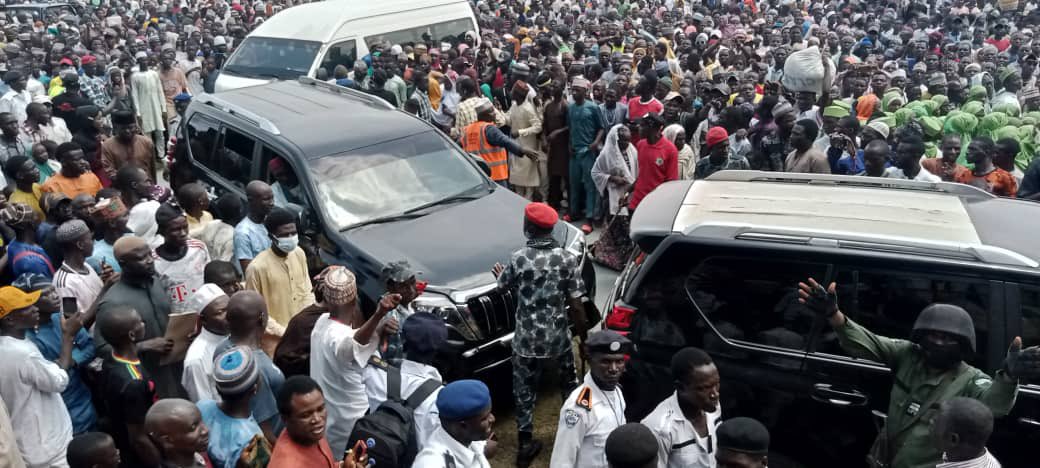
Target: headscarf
(903, 116)
(940, 101)
(977, 93)
(989, 123)
(974, 108)
(963, 124)
(1027, 139)
(891, 97)
(930, 106)
(932, 127)
(611, 162)
(865, 107)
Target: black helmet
(946, 318)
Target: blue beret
(463, 399)
(424, 332)
(182, 97)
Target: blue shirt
(27, 258)
(103, 250)
(47, 338)
(264, 406)
(250, 239)
(585, 121)
(227, 435)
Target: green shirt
(909, 439)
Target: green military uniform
(914, 391)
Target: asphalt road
(547, 408)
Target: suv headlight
(447, 310)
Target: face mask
(287, 244)
(941, 357)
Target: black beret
(744, 435)
(631, 445)
(608, 342)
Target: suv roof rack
(372, 99)
(959, 190)
(854, 241)
(261, 122)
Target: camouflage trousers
(526, 374)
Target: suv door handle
(1029, 422)
(826, 393)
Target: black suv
(718, 265)
(378, 185)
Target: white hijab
(611, 162)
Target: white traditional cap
(205, 295)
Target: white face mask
(287, 244)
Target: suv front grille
(494, 313)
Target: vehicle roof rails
(261, 122)
(855, 241)
(370, 98)
(960, 190)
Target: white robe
(611, 162)
(147, 93)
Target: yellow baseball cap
(12, 299)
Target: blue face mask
(697, 103)
(287, 244)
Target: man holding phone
(77, 283)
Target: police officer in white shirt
(685, 422)
(423, 335)
(595, 409)
(466, 420)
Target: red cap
(88, 59)
(716, 135)
(66, 61)
(541, 215)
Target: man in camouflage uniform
(545, 279)
(927, 371)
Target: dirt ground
(546, 415)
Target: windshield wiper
(464, 196)
(383, 220)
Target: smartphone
(69, 306)
(359, 453)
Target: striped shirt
(84, 286)
(986, 460)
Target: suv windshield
(393, 178)
(271, 57)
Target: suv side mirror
(482, 163)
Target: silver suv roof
(866, 213)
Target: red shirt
(289, 454)
(1000, 44)
(658, 163)
(637, 109)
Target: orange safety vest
(474, 141)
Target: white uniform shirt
(197, 378)
(678, 444)
(587, 417)
(338, 365)
(31, 388)
(441, 443)
(184, 276)
(15, 103)
(413, 374)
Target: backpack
(389, 431)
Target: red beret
(541, 215)
(716, 135)
(88, 59)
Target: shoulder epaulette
(584, 398)
(379, 362)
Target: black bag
(389, 431)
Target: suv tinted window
(1030, 300)
(438, 32)
(755, 299)
(235, 158)
(342, 53)
(887, 303)
(203, 134)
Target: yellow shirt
(31, 199)
(283, 281)
(196, 224)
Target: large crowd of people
(143, 324)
